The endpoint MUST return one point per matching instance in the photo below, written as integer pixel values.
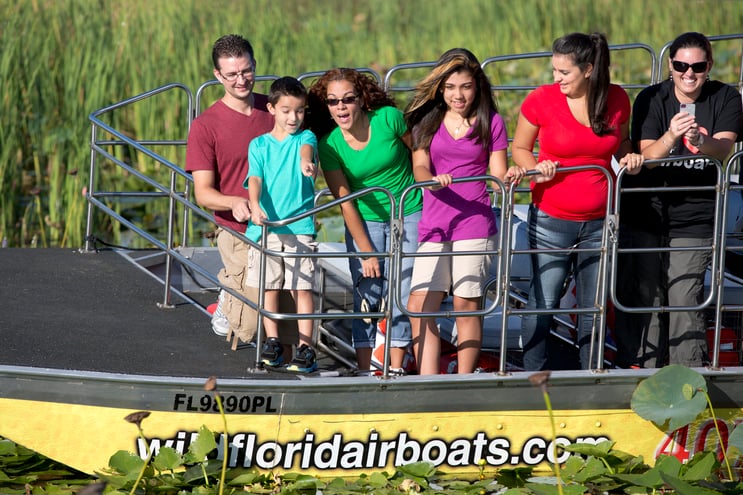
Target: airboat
(91, 335)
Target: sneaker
(305, 360)
(220, 325)
(271, 353)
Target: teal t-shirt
(384, 162)
(286, 191)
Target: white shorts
(284, 272)
(464, 275)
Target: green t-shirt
(384, 162)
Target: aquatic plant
(63, 60)
(136, 419)
(211, 386)
(674, 397)
(540, 380)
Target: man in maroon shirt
(217, 157)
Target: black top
(678, 213)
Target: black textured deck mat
(63, 309)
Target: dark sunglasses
(347, 100)
(697, 67)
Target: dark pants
(673, 279)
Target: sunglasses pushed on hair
(347, 100)
(697, 67)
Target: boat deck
(62, 309)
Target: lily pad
(735, 441)
(671, 398)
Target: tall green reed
(63, 59)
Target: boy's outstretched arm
(306, 161)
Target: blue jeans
(549, 273)
(364, 334)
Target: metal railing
(182, 211)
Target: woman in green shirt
(363, 141)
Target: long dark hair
(591, 49)
(371, 96)
(427, 108)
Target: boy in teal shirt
(281, 184)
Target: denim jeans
(549, 273)
(364, 334)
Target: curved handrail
(545, 54)
(717, 253)
(599, 308)
(265, 253)
(502, 186)
(213, 82)
(716, 231)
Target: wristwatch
(700, 141)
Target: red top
(579, 196)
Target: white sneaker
(220, 325)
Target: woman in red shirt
(581, 119)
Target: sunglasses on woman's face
(682, 67)
(346, 100)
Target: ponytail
(590, 49)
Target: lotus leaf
(669, 398)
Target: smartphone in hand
(689, 108)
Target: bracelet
(663, 140)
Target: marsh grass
(61, 60)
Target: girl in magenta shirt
(457, 132)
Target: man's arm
(209, 197)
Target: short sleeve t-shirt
(218, 141)
(579, 196)
(461, 211)
(384, 162)
(285, 192)
(678, 213)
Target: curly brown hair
(370, 93)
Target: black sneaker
(271, 353)
(305, 361)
